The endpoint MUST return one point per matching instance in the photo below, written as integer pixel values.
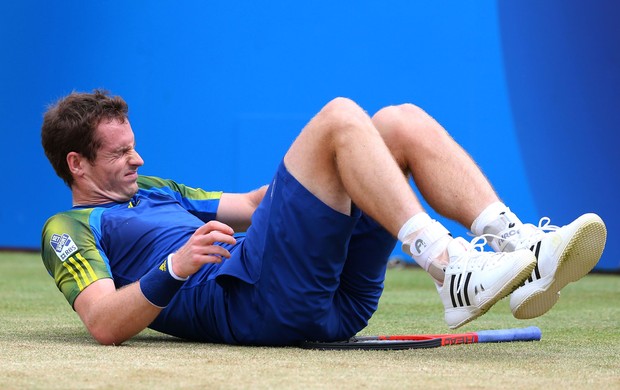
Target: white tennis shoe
(565, 254)
(475, 280)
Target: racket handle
(531, 333)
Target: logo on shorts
(63, 246)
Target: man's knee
(343, 113)
(405, 124)
(341, 105)
(400, 116)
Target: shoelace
(544, 226)
(477, 244)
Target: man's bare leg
(341, 158)
(356, 158)
(447, 177)
(457, 189)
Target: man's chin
(133, 193)
(126, 197)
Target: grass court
(43, 345)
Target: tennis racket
(391, 342)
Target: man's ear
(75, 162)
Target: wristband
(169, 262)
(159, 286)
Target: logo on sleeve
(63, 246)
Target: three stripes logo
(80, 269)
(535, 275)
(461, 297)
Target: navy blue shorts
(304, 271)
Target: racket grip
(531, 333)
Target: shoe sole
(506, 290)
(578, 258)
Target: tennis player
(140, 251)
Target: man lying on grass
(141, 251)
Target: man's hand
(200, 249)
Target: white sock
(424, 239)
(497, 219)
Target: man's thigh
(362, 278)
(288, 270)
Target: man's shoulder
(64, 231)
(154, 182)
(176, 189)
(76, 215)
(72, 222)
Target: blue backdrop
(219, 89)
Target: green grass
(43, 345)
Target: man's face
(113, 174)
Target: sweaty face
(113, 174)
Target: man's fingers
(216, 250)
(214, 226)
(213, 237)
(202, 248)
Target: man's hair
(69, 126)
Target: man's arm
(236, 210)
(113, 316)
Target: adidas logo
(536, 273)
(461, 298)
